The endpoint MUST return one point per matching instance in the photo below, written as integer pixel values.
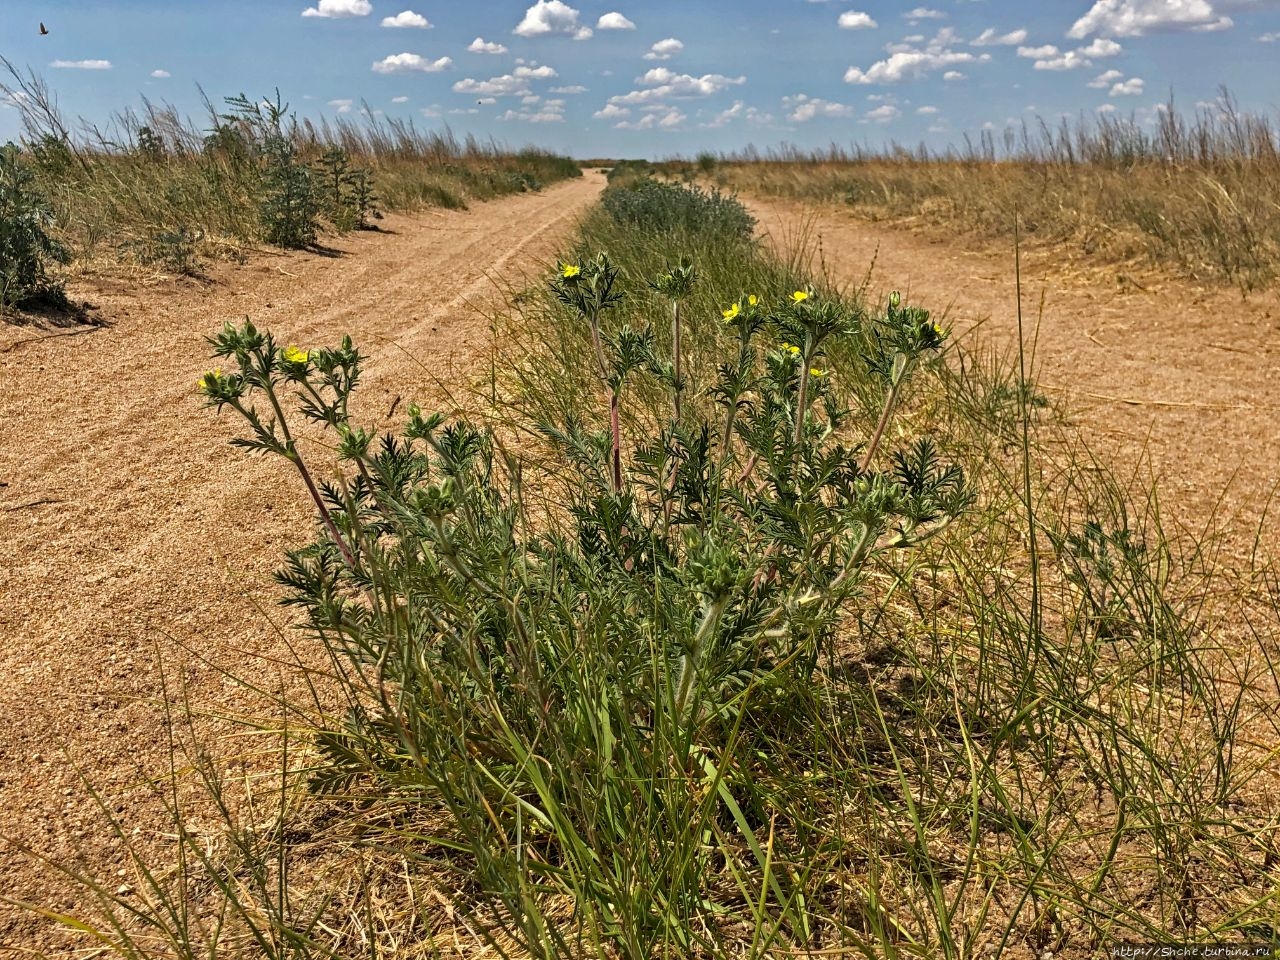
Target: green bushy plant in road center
(659, 206)
(565, 677)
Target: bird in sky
(44, 31)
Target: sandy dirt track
(1161, 377)
(131, 528)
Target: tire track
(154, 535)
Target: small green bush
(172, 250)
(657, 206)
(347, 191)
(26, 249)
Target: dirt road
(132, 530)
(1152, 369)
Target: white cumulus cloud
(1104, 80)
(480, 45)
(856, 20)
(614, 21)
(407, 18)
(924, 13)
(411, 63)
(989, 38)
(551, 16)
(399, 99)
(572, 88)
(739, 111)
(1101, 47)
(906, 65)
(908, 60)
(666, 119)
(663, 84)
(547, 111)
(1133, 18)
(503, 86)
(1050, 57)
(884, 113)
(342, 106)
(804, 108)
(161, 74)
(534, 72)
(1129, 88)
(611, 111)
(81, 64)
(664, 49)
(337, 9)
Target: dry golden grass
(1200, 195)
(155, 187)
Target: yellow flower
(815, 372)
(731, 313)
(752, 299)
(799, 296)
(209, 379)
(294, 355)
(791, 348)
(570, 270)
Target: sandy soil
(1163, 379)
(135, 535)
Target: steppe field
(421, 547)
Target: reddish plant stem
(615, 430)
(676, 356)
(874, 443)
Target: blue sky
(658, 77)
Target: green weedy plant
(26, 249)
(570, 678)
(288, 204)
(348, 191)
(335, 168)
(362, 202)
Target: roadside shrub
(659, 206)
(288, 197)
(26, 249)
